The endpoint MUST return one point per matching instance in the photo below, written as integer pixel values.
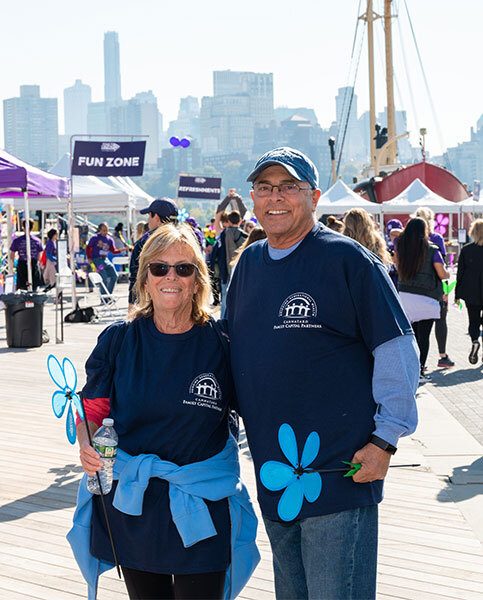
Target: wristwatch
(380, 443)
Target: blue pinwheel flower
(297, 482)
(183, 214)
(65, 378)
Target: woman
(334, 224)
(256, 234)
(164, 378)
(359, 225)
(120, 241)
(469, 285)
(420, 269)
(441, 326)
(50, 268)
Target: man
(162, 210)
(228, 242)
(232, 198)
(326, 368)
(19, 246)
(98, 249)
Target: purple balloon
(185, 143)
(174, 141)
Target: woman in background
(420, 269)
(469, 286)
(441, 326)
(359, 225)
(50, 269)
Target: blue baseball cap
(163, 207)
(294, 161)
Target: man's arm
(394, 384)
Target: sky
(172, 47)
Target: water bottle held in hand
(104, 442)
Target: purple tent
(18, 178)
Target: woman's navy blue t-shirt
(302, 331)
(170, 396)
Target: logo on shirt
(298, 306)
(205, 392)
(298, 312)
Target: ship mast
(391, 152)
(370, 16)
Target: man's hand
(374, 461)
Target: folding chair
(108, 302)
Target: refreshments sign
(103, 159)
(202, 188)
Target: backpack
(81, 315)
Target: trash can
(24, 315)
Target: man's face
(285, 218)
(104, 230)
(153, 221)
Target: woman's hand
(90, 459)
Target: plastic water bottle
(105, 443)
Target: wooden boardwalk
(427, 549)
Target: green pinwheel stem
(353, 468)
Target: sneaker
(445, 362)
(424, 378)
(473, 357)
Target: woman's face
(172, 293)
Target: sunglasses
(161, 269)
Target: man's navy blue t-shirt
(302, 332)
(169, 396)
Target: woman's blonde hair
(359, 226)
(162, 239)
(427, 215)
(476, 231)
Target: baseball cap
(163, 207)
(295, 162)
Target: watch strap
(380, 443)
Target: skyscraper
(31, 126)
(76, 101)
(240, 101)
(112, 68)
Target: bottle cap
(108, 422)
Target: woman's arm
(441, 270)
(89, 458)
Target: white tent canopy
(90, 196)
(339, 198)
(415, 196)
(139, 198)
(471, 206)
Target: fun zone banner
(202, 188)
(103, 159)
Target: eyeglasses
(161, 269)
(263, 190)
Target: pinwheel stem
(348, 468)
(104, 510)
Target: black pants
(441, 328)
(475, 317)
(142, 585)
(422, 331)
(22, 274)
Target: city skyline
(168, 53)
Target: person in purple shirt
(440, 327)
(19, 247)
(98, 249)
